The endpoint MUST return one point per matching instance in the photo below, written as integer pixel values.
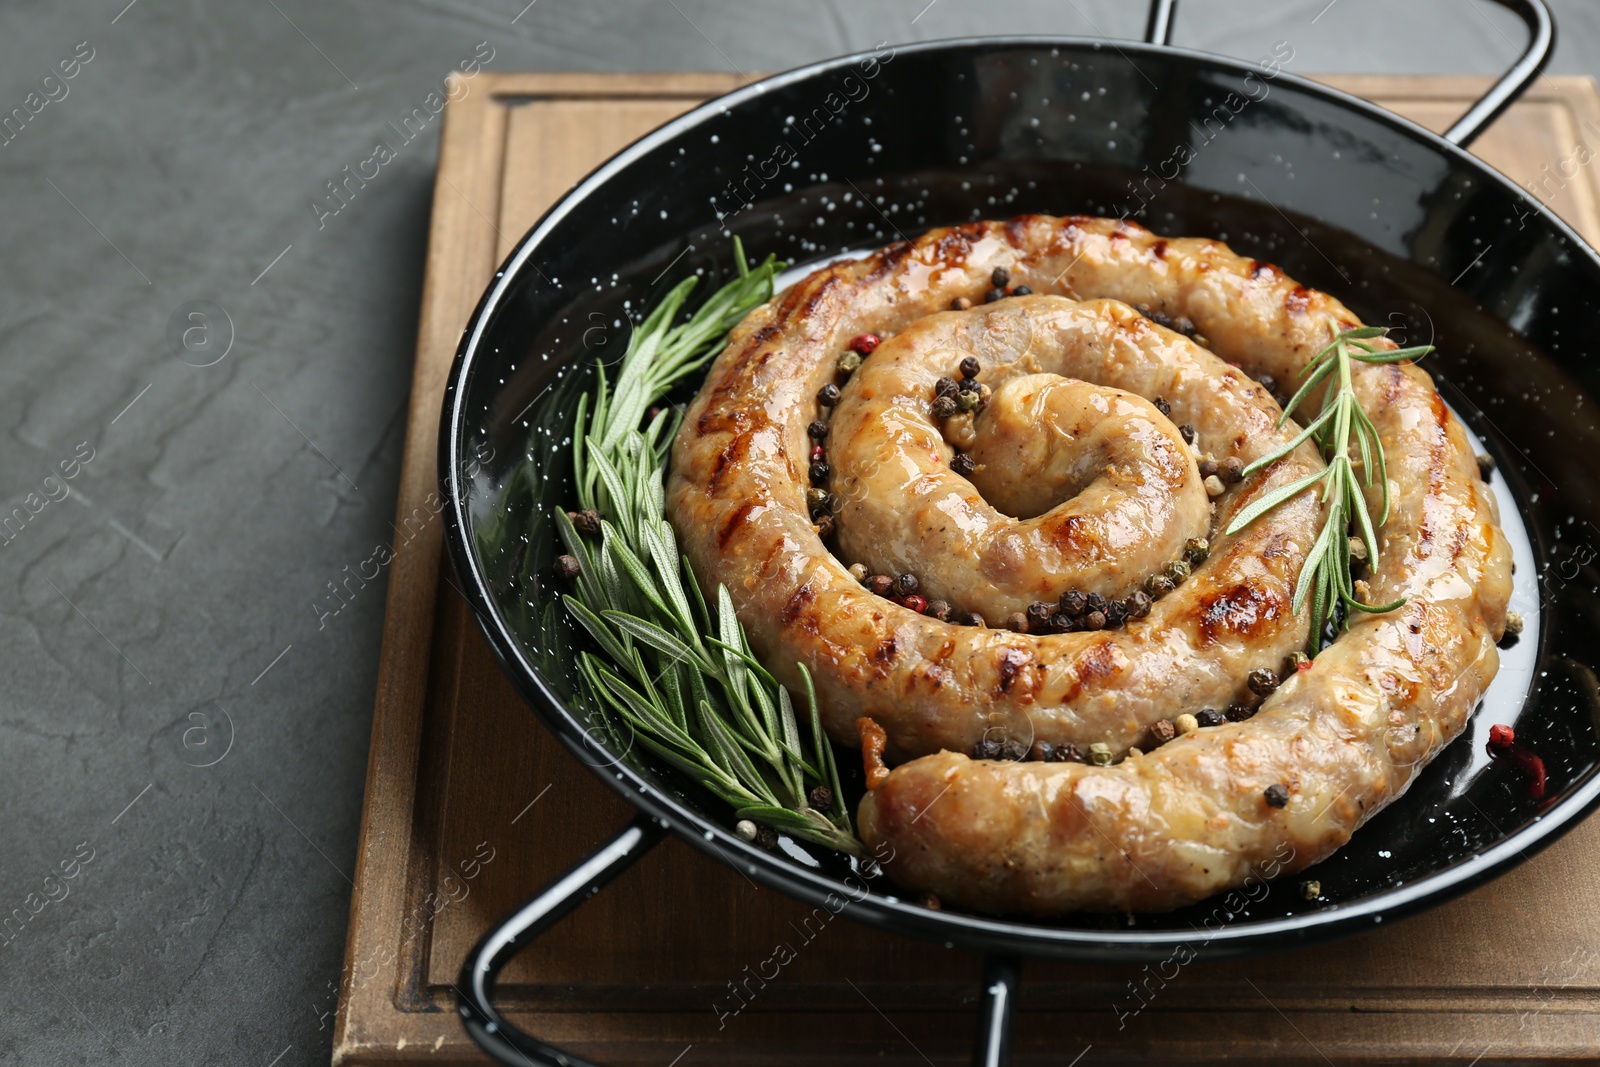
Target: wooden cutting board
(471, 806)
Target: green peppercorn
(816, 498)
(1178, 570)
(968, 401)
(848, 363)
(1100, 754)
(1195, 550)
(1158, 586)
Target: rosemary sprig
(1342, 422)
(679, 673)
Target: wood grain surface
(470, 805)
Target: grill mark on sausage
(734, 523)
(1159, 250)
(1247, 610)
(1297, 300)
(1095, 663)
(886, 261)
(728, 458)
(1011, 663)
(883, 656)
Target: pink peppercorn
(864, 343)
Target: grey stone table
(202, 388)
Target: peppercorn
(864, 343)
(1074, 602)
(1116, 613)
(1186, 723)
(964, 465)
(881, 584)
(1061, 623)
(745, 829)
(1299, 661)
(999, 277)
(930, 901)
(1310, 889)
(1017, 622)
(568, 567)
(817, 452)
(1094, 620)
(1067, 753)
(986, 749)
(1138, 605)
(858, 571)
(1162, 406)
(1022, 290)
(1195, 550)
(1014, 750)
(994, 294)
(918, 604)
(1039, 616)
(766, 837)
(1041, 752)
(1208, 467)
(961, 303)
(817, 499)
(938, 609)
(828, 395)
(945, 386)
(906, 584)
(1178, 570)
(1094, 602)
(849, 363)
(1501, 736)
(820, 798)
(1514, 623)
(1232, 469)
(1187, 433)
(824, 524)
(1262, 681)
(966, 385)
(585, 521)
(1485, 466)
(1239, 712)
(968, 401)
(1214, 487)
(817, 429)
(970, 367)
(820, 472)
(945, 407)
(1100, 754)
(972, 618)
(1162, 731)
(1276, 795)
(1210, 717)
(1157, 586)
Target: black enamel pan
(856, 152)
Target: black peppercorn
(945, 407)
(880, 584)
(817, 430)
(967, 385)
(1209, 717)
(1014, 750)
(1039, 616)
(585, 521)
(1094, 602)
(1074, 602)
(1162, 406)
(1068, 753)
(938, 609)
(1000, 278)
(1116, 613)
(1187, 432)
(1208, 467)
(1158, 586)
(766, 837)
(1041, 752)
(824, 524)
(820, 798)
(1485, 466)
(1239, 712)
(964, 465)
(986, 749)
(820, 472)
(828, 395)
(944, 387)
(906, 584)
(1062, 624)
(1262, 681)
(1232, 469)
(1276, 795)
(1268, 382)
(970, 367)
(1022, 290)
(567, 567)
(1139, 605)
(994, 294)
(1162, 731)
(971, 618)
